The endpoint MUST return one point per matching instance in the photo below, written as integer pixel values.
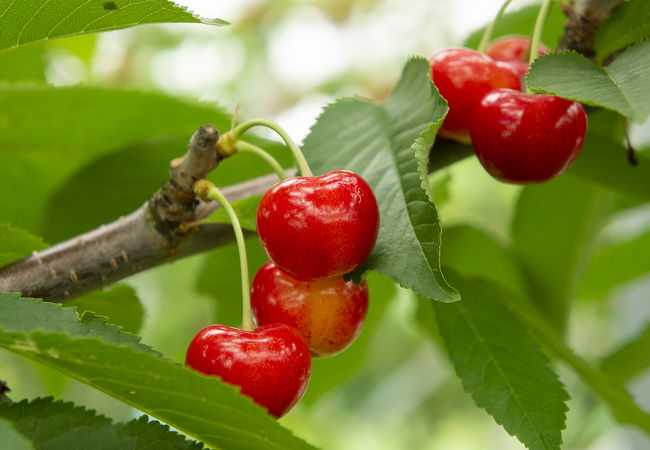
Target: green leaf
(615, 264)
(604, 161)
(74, 126)
(553, 233)
(630, 360)
(111, 361)
(28, 21)
(119, 303)
(220, 278)
(12, 438)
(473, 252)
(379, 143)
(522, 21)
(245, 209)
(501, 366)
(16, 244)
(629, 22)
(24, 64)
(50, 424)
(623, 86)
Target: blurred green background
(285, 60)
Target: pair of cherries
(314, 230)
(518, 137)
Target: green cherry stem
(537, 34)
(487, 34)
(297, 153)
(208, 191)
(245, 147)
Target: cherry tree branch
(583, 19)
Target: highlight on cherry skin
(329, 312)
(320, 226)
(463, 76)
(523, 138)
(513, 50)
(271, 364)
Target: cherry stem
(245, 147)
(537, 35)
(487, 34)
(208, 191)
(297, 153)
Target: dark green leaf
(12, 438)
(604, 161)
(50, 424)
(630, 360)
(522, 21)
(623, 86)
(553, 232)
(28, 21)
(379, 142)
(119, 303)
(501, 366)
(113, 362)
(629, 22)
(16, 244)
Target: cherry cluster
(314, 229)
(518, 137)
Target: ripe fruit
(271, 364)
(328, 313)
(513, 50)
(521, 138)
(463, 77)
(318, 227)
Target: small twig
(583, 19)
(631, 153)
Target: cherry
(463, 77)
(318, 227)
(271, 364)
(513, 50)
(522, 138)
(329, 312)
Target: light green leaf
(16, 244)
(629, 22)
(50, 424)
(475, 253)
(614, 265)
(388, 145)
(522, 21)
(630, 360)
(623, 86)
(245, 209)
(12, 438)
(111, 361)
(119, 303)
(28, 21)
(553, 233)
(604, 161)
(501, 366)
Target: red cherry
(521, 138)
(271, 364)
(329, 313)
(463, 77)
(513, 50)
(318, 227)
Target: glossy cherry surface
(463, 77)
(521, 138)
(513, 49)
(329, 312)
(272, 364)
(317, 227)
